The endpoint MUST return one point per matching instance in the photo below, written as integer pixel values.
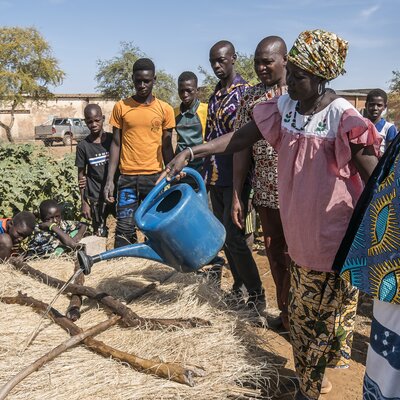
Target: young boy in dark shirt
(92, 156)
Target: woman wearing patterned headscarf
(326, 148)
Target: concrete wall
(357, 101)
(70, 105)
(32, 114)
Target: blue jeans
(132, 189)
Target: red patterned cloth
(265, 178)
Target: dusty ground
(347, 384)
(58, 149)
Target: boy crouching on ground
(13, 231)
(54, 235)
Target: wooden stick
(172, 371)
(129, 318)
(74, 340)
(240, 392)
(74, 309)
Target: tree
(27, 68)
(394, 98)
(244, 66)
(114, 76)
(395, 82)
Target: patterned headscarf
(319, 52)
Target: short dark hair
(377, 93)
(45, 206)
(25, 218)
(144, 64)
(224, 43)
(188, 76)
(92, 106)
(274, 42)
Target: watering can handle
(148, 201)
(200, 183)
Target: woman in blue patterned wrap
(370, 256)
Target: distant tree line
(394, 98)
(28, 68)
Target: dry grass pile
(227, 350)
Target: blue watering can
(181, 230)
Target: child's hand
(85, 209)
(45, 226)
(82, 182)
(109, 192)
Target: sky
(178, 34)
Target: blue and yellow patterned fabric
(369, 256)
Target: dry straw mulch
(228, 350)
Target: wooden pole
(171, 371)
(129, 318)
(73, 341)
(74, 309)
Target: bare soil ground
(58, 149)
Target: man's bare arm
(241, 167)
(113, 162)
(364, 159)
(227, 144)
(85, 208)
(166, 146)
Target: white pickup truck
(62, 130)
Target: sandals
(326, 386)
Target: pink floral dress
(318, 185)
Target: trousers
(241, 262)
(132, 189)
(100, 210)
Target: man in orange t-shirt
(142, 131)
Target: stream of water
(34, 333)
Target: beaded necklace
(309, 117)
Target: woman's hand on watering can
(109, 192)
(174, 168)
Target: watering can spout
(141, 250)
(85, 262)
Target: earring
(320, 88)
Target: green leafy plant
(30, 175)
